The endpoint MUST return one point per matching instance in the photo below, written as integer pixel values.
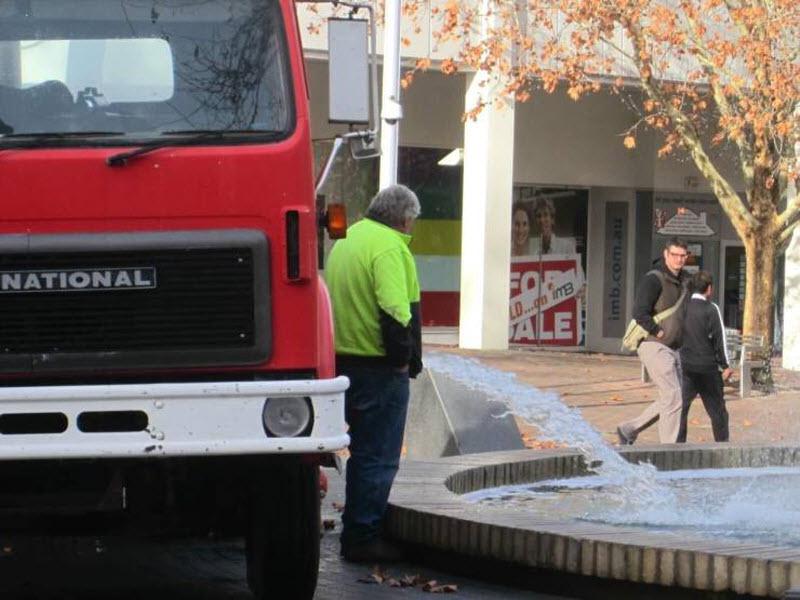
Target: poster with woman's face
(548, 229)
(545, 224)
(544, 240)
(520, 231)
(544, 213)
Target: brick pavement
(88, 568)
(339, 580)
(91, 568)
(608, 390)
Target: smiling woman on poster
(544, 213)
(520, 230)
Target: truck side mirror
(348, 71)
(352, 86)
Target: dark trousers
(709, 386)
(375, 409)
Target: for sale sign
(545, 300)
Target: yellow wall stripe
(438, 237)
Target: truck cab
(166, 353)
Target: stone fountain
(430, 506)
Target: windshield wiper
(188, 137)
(37, 140)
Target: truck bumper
(182, 419)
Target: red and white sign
(545, 308)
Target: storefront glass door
(733, 285)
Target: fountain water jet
(429, 506)
(559, 423)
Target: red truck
(166, 355)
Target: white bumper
(184, 419)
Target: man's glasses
(679, 255)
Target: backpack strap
(658, 273)
(667, 312)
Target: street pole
(391, 111)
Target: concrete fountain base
(426, 509)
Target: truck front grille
(81, 302)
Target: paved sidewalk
(608, 390)
(92, 568)
(339, 580)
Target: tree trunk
(760, 254)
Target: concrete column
(486, 221)
(791, 304)
(791, 288)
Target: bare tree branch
(787, 220)
(711, 71)
(727, 196)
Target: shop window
(548, 262)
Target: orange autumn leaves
(726, 68)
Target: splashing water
(637, 485)
(757, 504)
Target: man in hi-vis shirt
(375, 295)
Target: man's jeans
(375, 409)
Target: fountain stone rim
(427, 508)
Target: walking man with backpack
(658, 309)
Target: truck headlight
(287, 417)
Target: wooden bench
(745, 353)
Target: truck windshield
(89, 71)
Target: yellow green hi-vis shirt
(370, 270)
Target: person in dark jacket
(704, 358)
(375, 296)
(660, 289)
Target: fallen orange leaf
(372, 578)
(411, 580)
(434, 588)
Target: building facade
(597, 212)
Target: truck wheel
(283, 534)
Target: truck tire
(283, 534)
